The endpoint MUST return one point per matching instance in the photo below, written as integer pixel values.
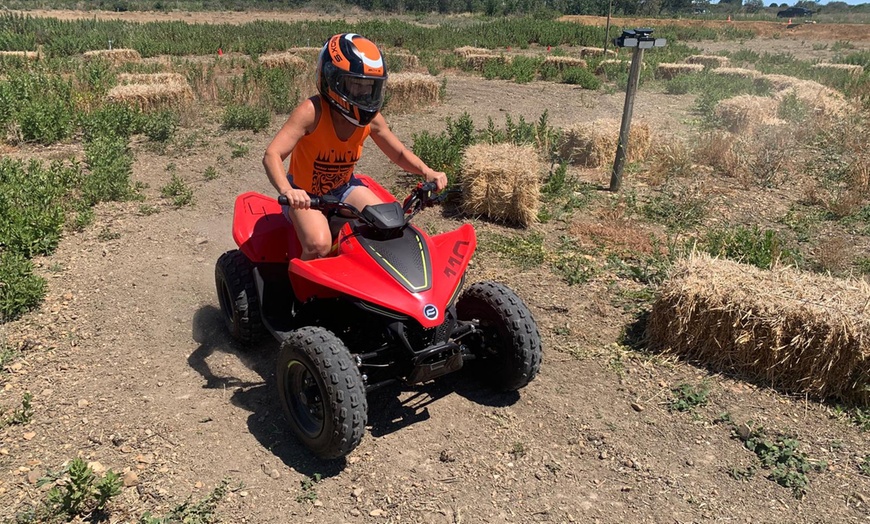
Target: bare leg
(312, 229)
(361, 197)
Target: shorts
(341, 192)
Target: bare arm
(401, 155)
(300, 122)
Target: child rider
(324, 138)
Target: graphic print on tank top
(332, 170)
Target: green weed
(687, 397)
(864, 466)
(210, 173)
(788, 466)
(309, 490)
(238, 150)
(581, 77)
(760, 248)
(80, 494)
(20, 415)
(525, 251)
(443, 152)
(201, 512)
(678, 210)
(518, 450)
(178, 191)
(21, 291)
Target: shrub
(46, 121)
(21, 290)
(443, 152)
(111, 165)
(159, 126)
(246, 117)
(748, 245)
(580, 76)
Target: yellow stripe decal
(422, 255)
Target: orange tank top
(321, 161)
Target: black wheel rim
(304, 399)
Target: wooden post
(607, 28)
(630, 91)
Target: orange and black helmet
(351, 74)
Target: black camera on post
(641, 38)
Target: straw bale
(737, 71)
(821, 99)
(669, 70)
(600, 69)
(114, 56)
(708, 61)
(852, 69)
(463, 52)
(286, 60)
(745, 113)
(24, 55)
(564, 62)
(150, 96)
(151, 78)
(408, 91)
(404, 60)
(307, 53)
(593, 144)
(503, 182)
(593, 51)
(478, 62)
(794, 331)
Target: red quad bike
(385, 306)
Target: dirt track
(131, 367)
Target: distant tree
(772, 5)
(753, 6)
(808, 4)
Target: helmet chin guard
(351, 74)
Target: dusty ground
(130, 367)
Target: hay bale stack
(114, 56)
(286, 60)
(744, 113)
(152, 96)
(23, 55)
(478, 62)
(667, 71)
(795, 331)
(503, 182)
(593, 144)
(708, 61)
(593, 51)
(602, 66)
(151, 78)
(565, 62)
(405, 61)
(851, 69)
(737, 72)
(463, 52)
(407, 91)
(820, 99)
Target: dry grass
(744, 113)
(406, 61)
(618, 237)
(286, 60)
(114, 56)
(152, 96)
(822, 100)
(502, 182)
(24, 55)
(593, 144)
(671, 157)
(152, 78)
(478, 62)
(852, 69)
(564, 62)
(408, 91)
(593, 51)
(708, 61)
(791, 330)
(463, 52)
(716, 149)
(602, 66)
(738, 72)
(309, 54)
(666, 71)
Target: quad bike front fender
(354, 273)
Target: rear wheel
(321, 392)
(237, 294)
(508, 345)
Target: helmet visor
(365, 93)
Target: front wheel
(507, 345)
(321, 392)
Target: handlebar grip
(428, 186)
(282, 199)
